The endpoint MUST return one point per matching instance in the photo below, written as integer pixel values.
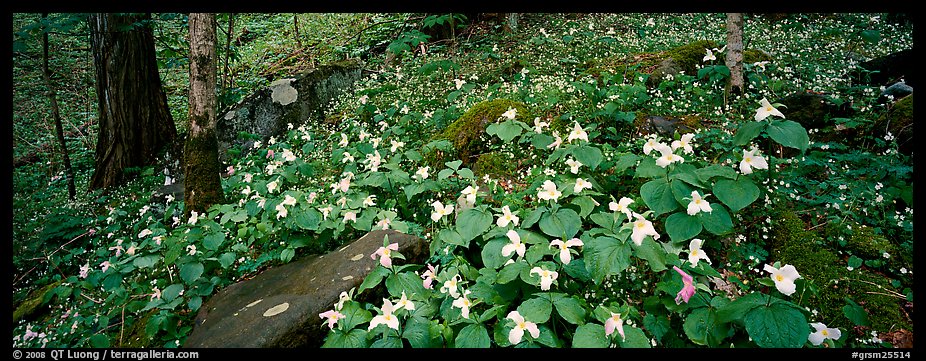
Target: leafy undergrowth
(596, 235)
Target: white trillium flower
(641, 229)
(709, 56)
(546, 277)
(507, 217)
(577, 133)
(581, 184)
(752, 160)
(463, 303)
(621, 206)
(521, 325)
(510, 114)
(564, 255)
(698, 204)
(573, 165)
(548, 191)
(684, 143)
(822, 333)
(514, 246)
(440, 210)
(766, 110)
(422, 172)
(668, 156)
(695, 253)
(784, 278)
(386, 317)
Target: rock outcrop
(280, 306)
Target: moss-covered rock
(819, 265)
(31, 307)
(467, 133)
(135, 335)
(664, 125)
(812, 110)
(899, 122)
(493, 165)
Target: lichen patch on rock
(276, 310)
(283, 92)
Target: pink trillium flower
(614, 322)
(428, 277)
(384, 254)
(84, 270)
(688, 288)
(332, 317)
(105, 265)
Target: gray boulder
(280, 306)
(297, 101)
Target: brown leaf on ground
(900, 338)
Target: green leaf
(627, 161)
(353, 315)
(473, 336)
(190, 272)
(715, 170)
(871, 36)
(387, 342)
(146, 261)
(408, 282)
(570, 309)
(452, 237)
(588, 155)
(227, 259)
(658, 196)
(213, 241)
(355, 339)
(649, 169)
(444, 173)
(374, 278)
(536, 310)
(99, 340)
(855, 262)
(541, 141)
(718, 221)
(171, 292)
(564, 224)
(606, 256)
(789, 133)
(417, 331)
(586, 205)
(855, 313)
(747, 132)
(590, 335)
(737, 309)
(492, 253)
(682, 227)
(702, 327)
(653, 253)
(634, 338)
(506, 130)
(471, 223)
(658, 325)
(466, 173)
(736, 194)
(533, 217)
(777, 326)
(308, 219)
(195, 303)
(287, 254)
(511, 272)
(454, 164)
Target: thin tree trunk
(59, 130)
(202, 186)
(296, 29)
(511, 23)
(228, 39)
(135, 122)
(734, 57)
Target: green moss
(690, 55)
(822, 267)
(754, 56)
(467, 133)
(866, 244)
(135, 335)
(493, 164)
(33, 303)
(899, 121)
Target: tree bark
(511, 23)
(135, 123)
(202, 186)
(734, 56)
(56, 114)
(231, 30)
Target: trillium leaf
(492, 253)
(536, 310)
(634, 338)
(541, 141)
(146, 261)
(533, 217)
(606, 256)
(588, 155)
(590, 335)
(353, 315)
(586, 205)
(718, 221)
(789, 133)
(747, 132)
(473, 336)
(511, 272)
(227, 259)
(682, 227)
(736, 194)
(374, 278)
(190, 272)
(703, 328)
(626, 161)
(658, 196)
(471, 223)
(570, 309)
(356, 338)
(406, 282)
(649, 169)
(99, 340)
(715, 170)
(171, 292)
(417, 331)
(387, 342)
(653, 253)
(452, 237)
(658, 325)
(564, 224)
(777, 326)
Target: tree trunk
(202, 186)
(135, 123)
(734, 57)
(59, 130)
(231, 30)
(511, 23)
